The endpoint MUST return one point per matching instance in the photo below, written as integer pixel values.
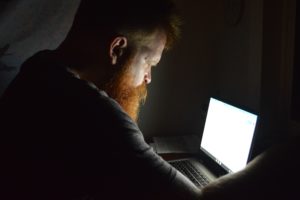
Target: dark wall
(277, 72)
(296, 72)
(185, 78)
(219, 55)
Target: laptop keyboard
(187, 169)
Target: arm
(268, 176)
(149, 167)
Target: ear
(117, 47)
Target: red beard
(130, 98)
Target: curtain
(28, 26)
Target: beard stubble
(121, 89)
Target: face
(128, 86)
(146, 57)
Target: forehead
(154, 44)
(156, 40)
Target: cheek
(138, 77)
(138, 70)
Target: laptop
(225, 146)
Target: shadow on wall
(27, 27)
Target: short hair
(129, 18)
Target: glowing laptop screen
(228, 135)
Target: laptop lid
(228, 135)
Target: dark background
(242, 51)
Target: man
(70, 115)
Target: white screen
(228, 134)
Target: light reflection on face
(147, 57)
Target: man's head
(117, 43)
(128, 85)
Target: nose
(148, 77)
